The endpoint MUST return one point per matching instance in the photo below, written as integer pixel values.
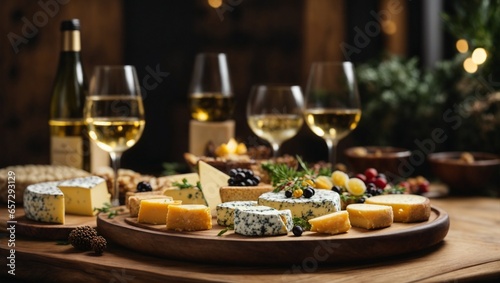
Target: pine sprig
(109, 209)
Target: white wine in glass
(210, 93)
(114, 114)
(274, 113)
(332, 107)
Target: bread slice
(406, 208)
(235, 193)
(370, 216)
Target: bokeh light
(215, 3)
(462, 46)
(469, 66)
(479, 56)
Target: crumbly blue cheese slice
(211, 180)
(262, 221)
(225, 211)
(44, 202)
(83, 195)
(321, 203)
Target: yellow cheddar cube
(332, 223)
(134, 202)
(406, 208)
(370, 216)
(154, 211)
(189, 217)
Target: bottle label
(67, 151)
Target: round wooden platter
(51, 231)
(310, 248)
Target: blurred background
(417, 66)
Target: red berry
(371, 173)
(361, 177)
(423, 187)
(380, 183)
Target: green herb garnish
(297, 221)
(108, 208)
(230, 227)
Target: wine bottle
(69, 139)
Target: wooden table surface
(469, 253)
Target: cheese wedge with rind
(84, 195)
(262, 221)
(321, 203)
(370, 216)
(405, 207)
(225, 211)
(332, 223)
(44, 202)
(211, 179)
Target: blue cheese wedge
(225, 211)
(44, 202)
(321, 203)
(262, 221)
(83, 195)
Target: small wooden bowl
(466, 177)
(385, 159)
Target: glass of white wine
(210, 92)
(274, 113)
(332, 108)
(114, 113)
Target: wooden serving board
(50, 231)
(309, 249)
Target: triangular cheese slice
(211, 179)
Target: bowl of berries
(386, 159)
(466, 172)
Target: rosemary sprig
(230, 227)
(298, 221)
(108, 208)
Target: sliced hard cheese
(154, 211)
(321, 203)
(233, 193)
(134, 202)
(225, 211)
(262, 221)
(189, 217)
(44, 202)
(333, 223)
(149, 193)
(370, 216)
(83, 195)
(211, 180)
(406, 208)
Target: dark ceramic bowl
(466, 177)
(385, 159)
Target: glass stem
(332, 154)
(115, 159)
(276, 149)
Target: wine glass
(210, 93)
(114, 113)
(332, 108)
(274, 113)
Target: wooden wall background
(266, 42)
(26, 76)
